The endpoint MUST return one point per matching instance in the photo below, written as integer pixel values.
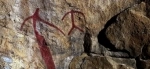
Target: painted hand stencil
(45, 52)
(72, 19)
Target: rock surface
(102, 62)
(115, 34)
(130, 31)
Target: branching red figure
(45, 52)
(36, 17)
(72, 19)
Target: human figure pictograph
(45, 52)
(36, 17)
(72, 20)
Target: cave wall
(106, 34)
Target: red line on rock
(72, 19)
(45, 52)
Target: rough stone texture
(143, 64)
(130, 31)
(101, 62)
(147, 8)
(19, 49)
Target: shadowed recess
(87, 42)
(103, 40)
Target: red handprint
(72, 19)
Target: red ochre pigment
(45, 52)
(72, 19)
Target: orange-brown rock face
(106, 34)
